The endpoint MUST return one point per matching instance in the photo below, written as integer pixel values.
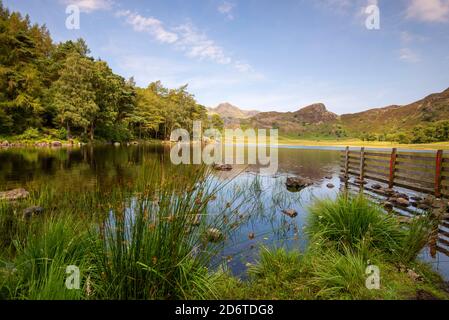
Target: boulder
(424, 206)
(402, 202)
(388, 205)
(297, 183)
(56, 144)
(402, 195)
(290, 212)
(388, 191)
(15, 194)
(330, 186)
(222, 167)
(28, 213)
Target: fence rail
(423, 172)
(426, 172)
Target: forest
(58, 91)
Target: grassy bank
(286, 140)
(345, 237)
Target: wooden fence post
(392, 167)
(438, 165)
(362, 165)
(347, 165)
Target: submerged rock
(290, 212)
(15, 194)
(328, 177)
(376, 186)
(297, 183)
(28, 213)
(330, 186)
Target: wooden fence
(425, 172)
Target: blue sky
(266, 54)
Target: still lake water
(107, 165)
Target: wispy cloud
(90, 5)
(227, 9)
(197, 45)
(429, 10)
(150, 25)
(408, 55)
(186, 38)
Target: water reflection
(257, 201)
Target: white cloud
(227, 8)
(408, 55)
(186, 38)
(429, 10)
(197, 45)
(90, 5)
(150, 25)
(408, 37)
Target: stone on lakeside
(14, 194)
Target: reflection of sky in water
(260, 213)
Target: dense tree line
(423, 133)
(59, 90)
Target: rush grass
(144, 240)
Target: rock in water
(28, 213)
(15, 194)
(297, 183)
(402, 202)
(222, 167)
(56, 144)
(330, 186)
(290, 212)
(376, 186)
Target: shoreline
(282, 143)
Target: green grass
(134, 241)
(346, 236)
(144, 241)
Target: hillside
(231, 114)
(315, 121)
(432, 108)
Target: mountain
(307, 119)
(432, 108)
(316, 121)
(227, 110)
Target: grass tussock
(345, 237)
